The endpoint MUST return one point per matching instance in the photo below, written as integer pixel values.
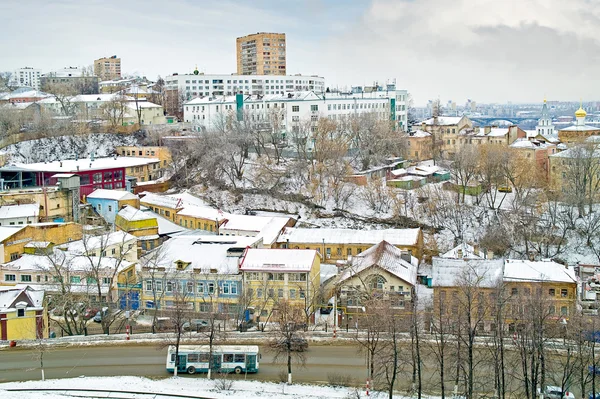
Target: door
(216, 362)
(251, 363)
(182, 363)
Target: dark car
(297, 344)
(196, 325)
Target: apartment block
(108, 68)
(261, 54)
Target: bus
(225, 359)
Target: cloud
(481, 49)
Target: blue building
(107, 203)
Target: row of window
(28, 278)
(191, 287)
(258, 276)
(260, 293)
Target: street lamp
(563, 321)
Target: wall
(25, 327)
(56, 233)
(107, 208)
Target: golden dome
(580, 113)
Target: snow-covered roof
(188, 198)
(575, 152)
(165, 226)
(465, 251)
(142, 105)
(267, 227)
(71, 165)
(160, 200)
(448, 272)
(444, 120)
(538, 271)
(101, 241)
(27, 93)
(203, 253)
(419, 133)
(133, 214)
(19, 211)
(529, 144)
(7, 232)
(38, 244)
(580, 128)
(398, 172)
(202, 212)
(424, 170)
(498, 132)
(278, 259)
(117, 195)
(387, 257)
(349, 236)
(8, 296)
(64, 259)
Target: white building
(296, 108)
(545, 127)
(28, 77)
(197, 84)
(15, 215)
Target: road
(149, 361)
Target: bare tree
(463, 168)
(288, 335)
(114, 111)
(178, 314)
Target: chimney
(78, 168)
(92, 155)
(476, 249)
(115, 157)
(60, 164)
(405, 256)
(459, 253)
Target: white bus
(225, 358)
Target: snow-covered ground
(67, 147)
(194, 387)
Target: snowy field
(194, 387)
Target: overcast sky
(485, 50)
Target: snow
(543, 271)
(133, 214)
(67, 147)
(275, 259)
(165, 226)
(103, 241)
(75, 262)
(466, 251)
(194, 387)
(7, 232)
(328, 271)
(203, 253)
(118, 195)
(445, 271)
(444, 120)
(19, 211)
(347, 236)
(73, 165)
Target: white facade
(29, 77)
(192, 85)
(298, 108)
(545, 127)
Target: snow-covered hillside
(67, 147)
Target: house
(15, 215)
(420, 145)
(445, 131)
(162, 153)
(467, 251)
(339, 244)
(268, 228)
(118, 244)
(382, 271)
(407, 182)
(13, 240)
(145, 113)
(141, 224)
(109, 202)
(22, 314)
(579, 131)
(205, 269)
(473, 285)
(539, 151)
(271, 275)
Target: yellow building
(382, 271)
(261, 54)
(54, 202)
(561, 178)
(13, 240)
(474, 285)
(272, 275)
(22, 314)
(162, 153)
(579, 131)
(108, 68)
(149, 113)
(446, 132)
(339, 244)
(147, 170)
(141, 225)
(419, 145)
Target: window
(99, 207)
(295, 108)
(564, 292)
(514, 291)
(564, 311)
(314, 107)
(280, 293)
(20, 312)
(302, 295)
(190, 287)
(192, 358)
(26, 278)
(75, 279)
(159, 285)
(259, 293)
(169, 286)
(551, 292)
(279, 276)
(271, 292)
(551, 309)
(292, 294)
(148, 285)
(97, 177)
(10, 277)
(200, 288)
(239, 358)
(227, 357)
(211, 288)
(110, 208)
(225, 288)
(349, 251)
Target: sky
(484, 50)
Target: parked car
(554, 392)
(100, 314)
(505, 189)
(297, 344)
(327, 309)
(89, 313)
(591, 370)
(196, 325)
(591, 396)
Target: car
(591, 370)
(554, 392)
(98, 317)
(591, 396)
(505, 189)
(297, 344)
(90, 313)
(196, 325)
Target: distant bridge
(489, 120)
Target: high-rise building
(261, 54)
(28, 77)
(108, 68)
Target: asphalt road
(148, 360)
